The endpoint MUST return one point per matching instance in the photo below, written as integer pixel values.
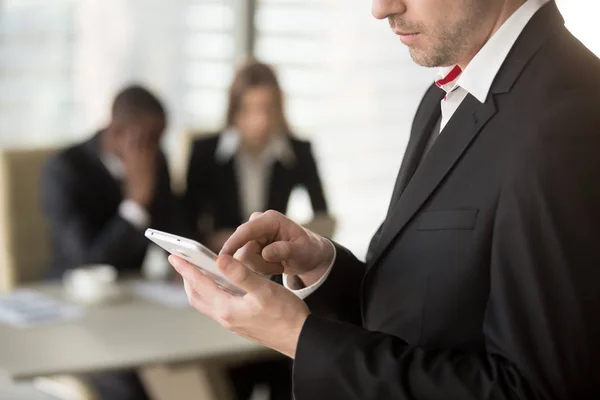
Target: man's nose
(382, 9)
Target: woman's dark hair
(251, 75)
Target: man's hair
(134, 100)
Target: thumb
(240, 275)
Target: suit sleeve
(338, 297)
(312, 181)
(541, 324)
(198, 188)
(168, 212)
(118, 243)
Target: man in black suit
(100, 196)
(483, 281)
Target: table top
(130, 333)
(22, 392)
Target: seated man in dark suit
(99, 197)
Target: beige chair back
(24, 240)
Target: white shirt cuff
(307, 291)
(135, 214)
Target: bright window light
(581, 18)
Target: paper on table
(26, 308)
(166, 293)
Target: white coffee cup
(91, 284)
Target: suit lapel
(275, 187)
(229, 183)
(424, 122)
(425, 119)
(463, 127)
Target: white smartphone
(194, 253)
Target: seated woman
(252, 165)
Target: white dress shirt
(478, 76)
(253, 171)
(476, 79)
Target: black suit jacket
(213, 189)
(80, 200)
(484, 281)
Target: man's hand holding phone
(270, 243)
(270, 314)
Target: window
(62, 61)
(580, 17)
(36, 49)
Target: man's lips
(407, 37)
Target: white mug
(91, 283)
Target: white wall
(581, 18)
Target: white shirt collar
(278, 148)
(479, 75)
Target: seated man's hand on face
(139, 152)
(269, 314)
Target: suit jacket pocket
(463, 219)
